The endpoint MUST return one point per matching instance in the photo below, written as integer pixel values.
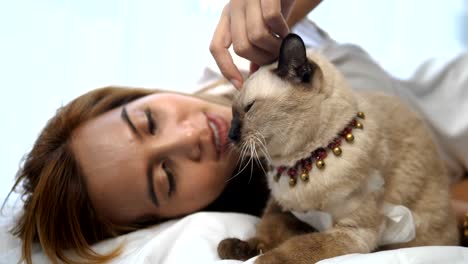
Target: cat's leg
(356, 233)
(274, 228)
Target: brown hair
(57, 212)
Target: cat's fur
(292, 107)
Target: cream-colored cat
(361, 168)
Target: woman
(117, 159)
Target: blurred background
(54, 50)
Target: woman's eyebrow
(126, 119)
(150, 180)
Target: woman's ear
(292, 62)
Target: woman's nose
(183, 140)
(190, 142)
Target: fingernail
(236, 83)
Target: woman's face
(163, 155)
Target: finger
(274, 18)
(219, 48)
(240, 41)
(258, 32)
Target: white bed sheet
(194, 239)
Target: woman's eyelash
(151, 122)
(170, 178)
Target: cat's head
(300, 100)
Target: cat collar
(304, 166)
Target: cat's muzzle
(235, 130)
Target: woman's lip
(222, 127)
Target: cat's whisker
(261, 147)
(248, 154)
(252, 155)
(240, 161)
(259, 162)
(264, 149)
(239, 172)
(242, 154)
(244, 148)
(249, 147)
(267, 162)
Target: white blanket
(194, 239)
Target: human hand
(255, 29)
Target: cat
(345, 160)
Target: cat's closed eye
(248, 106)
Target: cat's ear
(292, 62)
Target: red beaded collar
(305, 165)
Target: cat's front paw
(233, 248)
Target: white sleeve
(440, 90)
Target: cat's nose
(235, 130)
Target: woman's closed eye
(170, 178)
(151, 121)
